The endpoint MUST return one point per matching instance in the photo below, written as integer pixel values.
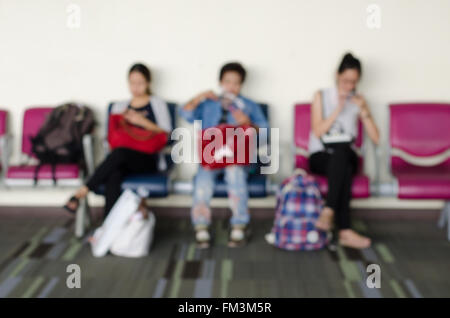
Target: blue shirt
(210, 112)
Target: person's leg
(113, 189)
(127, 161)
(347, 236)
(100, 175)
(337, 173)
(236, 179)
(318, 164)
(112, 162)
(343, 215)
(203, 191)
(123, 159)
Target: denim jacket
(210, 111)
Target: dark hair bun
(349, 62)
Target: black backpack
(60, 139)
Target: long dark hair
(144, 70)
(350, 62)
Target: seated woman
(144, 110)
(212, 111)
(335, 112)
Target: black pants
(119, 163)
(338, 166)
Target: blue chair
(258, 184)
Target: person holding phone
(334, 126)
(143, 110)
(228, 107)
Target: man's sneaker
(202, 237)
(239, 236)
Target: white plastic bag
(136, 237)
(117, 219)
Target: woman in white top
(334, 115)
(144, 110)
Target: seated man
(212, 110)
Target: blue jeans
(236, 179)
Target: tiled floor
(37, 246)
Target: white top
(346, 121)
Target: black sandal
(72, 199)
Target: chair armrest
(377, 157)
(5, 151)
(88, 149)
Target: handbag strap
(127, 127)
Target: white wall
(290, 47)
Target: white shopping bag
(136, 237)
(114, 223)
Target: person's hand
(208, 95)
(134, 117)
(359, 101)
(241, 118)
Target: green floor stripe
(349, 289)
(34, 242)
(33, 287)
(359, 226)
(348, 268)
(191, 252)
(350, 271)
(226, 275)
(383, 250)
(221, 234)
(398, 290)
(176, 279)
(19, 267)
(227, 269)
(39, 235)
(72, 251)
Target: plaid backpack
(298, 207)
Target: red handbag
(123, 134)
(223, 146)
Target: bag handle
(123, 123)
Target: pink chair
(23, 175)
(419, 155)
(66, 174)
(302, 128)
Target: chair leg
(443, 218)
(448, 219)
(83, 218)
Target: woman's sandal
(72, 199)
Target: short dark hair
(145, 71)
(233, 67)
(350, 62)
